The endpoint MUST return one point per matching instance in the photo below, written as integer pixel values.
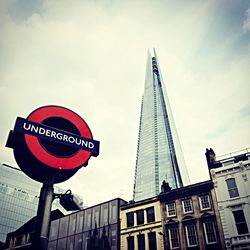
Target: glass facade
(159, 155)
(95, 227)
(19, 197)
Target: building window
(72, 224)
(79, 221)
(96, 216)
(232, 188)
(78, 244)
(205, 202)
(187, 206)
(152, 241)
(191, 235)
(130, 219)
(171, 210)
(70, 243)
(209, 230)
(141, 241)
(113, 235)
(140, 217)
(53, 234)
(104, 215)
(240, 222)
(150, 214)
(61, 244)
(63, 227)
(113, 212)
(131, 243)
(88, 220)
(173, 237)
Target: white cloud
(90, 56)
(246, 24)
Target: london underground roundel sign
(52, 141)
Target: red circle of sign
(75, 161)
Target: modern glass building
(95, 228)
(159, 155)
(19, 197)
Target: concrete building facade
(231, 176)
(191, 218)
(141, 225)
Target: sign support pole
(42, 225)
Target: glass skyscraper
(19, 196)
(159, 155)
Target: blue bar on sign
(25, 126)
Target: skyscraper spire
(159, 155)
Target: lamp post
(42, 226)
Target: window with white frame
(209, 230)
(173, 237)
(191, 235)
(187, 206)
(205, 202)
(232, 188)
(171, 210)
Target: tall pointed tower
(159, 155)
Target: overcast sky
(90, 56)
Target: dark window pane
(171, 210)
(61, 244)
(150, 214)
(52, 245)
(205, 202)
(131, 244)
(93, 240)
(152, 241)
(173, 237)
(78, 242)
(87, 220)
(105, 241)
(113, 212)
(141, 241)
(210, 234)
(232, 188)
(96, 217)
(70, 243)
(85, 240)
(130, 219)
(140, 217)
(53, 230)
(191, 235)
(113, 236)
(187, 205)
(72, 224)
(79, 221)
(240, 222)
(63, 227)
(104, 215)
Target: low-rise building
(231, 174)
(191, 217)
(141, 225)
(93, 228)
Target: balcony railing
(240, 239)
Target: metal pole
(42, 224)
